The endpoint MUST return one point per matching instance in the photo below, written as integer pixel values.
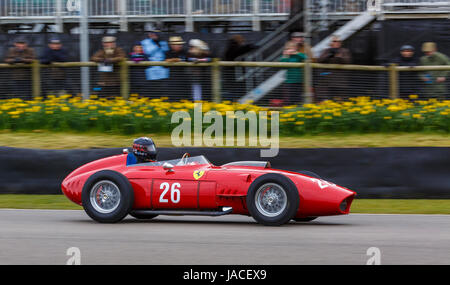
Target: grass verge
(372, 206)
(48, 202)
(52, 140)
(401, 206)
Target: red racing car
(109, 190)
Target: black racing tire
(310, 173)
(282, 183)
(308, 219)
(123, 206)
(142, 216)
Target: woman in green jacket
(292, 87)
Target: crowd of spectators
(433, 82)
(154, 80)
(334, 83)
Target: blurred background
(363, 94)
(368, 44)
(342, 74)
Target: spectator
(408, 80)
(155, 49)
(435, 80)
(54, 82)
(236, 47)
(333, 83)
(177, 53)
(335, 54)
(299, 39)
(138, 55)
(108, 58)
(21, 77)
(137, 77)
(198, 52)
(406, 57)
(292, 87)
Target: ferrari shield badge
(198, 174)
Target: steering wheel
(184, 158)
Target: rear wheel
(107, 196)
(272, 199)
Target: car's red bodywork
(212, 188)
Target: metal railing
(159, 7)
(26, 8)
(352, 7)
(137, 9)
(337, 6)
(37, 8)
(215, 81)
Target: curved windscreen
(195, 160)
(264, 164)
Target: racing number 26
(174, 192)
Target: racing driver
(144, 150)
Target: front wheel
(272, 199)
(107, 196)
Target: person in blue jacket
(155, 49)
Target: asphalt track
(43, 237)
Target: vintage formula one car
(109, 190)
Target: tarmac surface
(44, 237)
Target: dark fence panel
(371, 172)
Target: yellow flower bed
(140, 114)
(362, 114)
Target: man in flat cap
(20, 77)
(20, 53)
(54, 77)
(108, 58)
(434, 80)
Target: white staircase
(350, 28)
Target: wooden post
(216, 81)
(307, 79)
(36, 78)
(393, 81)
(124, 79)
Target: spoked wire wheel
(271, 199)
(105, 197)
